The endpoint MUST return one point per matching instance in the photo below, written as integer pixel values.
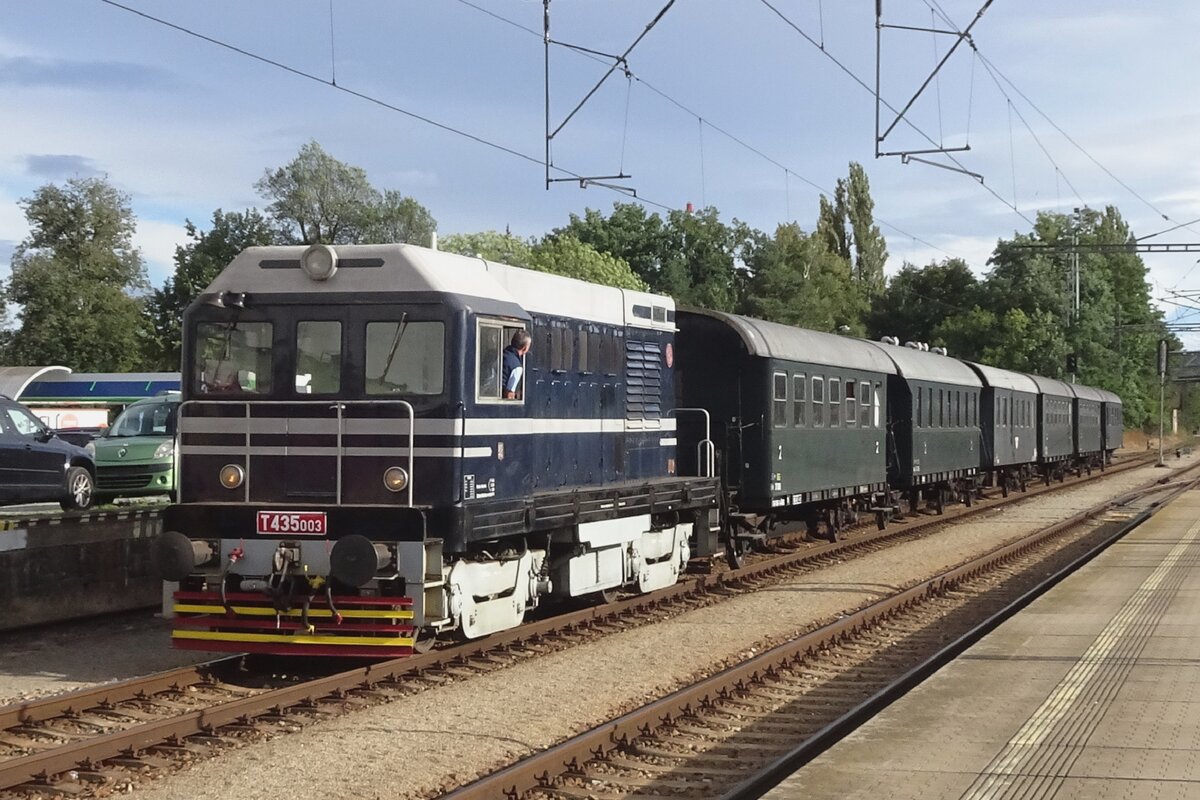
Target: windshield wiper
(400, 329)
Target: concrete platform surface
(1093, 691)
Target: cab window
(233, 357)
(405, 357)
(492, 339)
(318, 357)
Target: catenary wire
(363, 96)
(708, 122)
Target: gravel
(446, 735)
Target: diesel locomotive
(369, 457)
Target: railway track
(736, 734)
(98, 737)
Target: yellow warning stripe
(260, 611)
(221, 636)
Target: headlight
(232, 476)
(395, 479)
(91, 449)
(319, 262)
(165, 450)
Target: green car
(136, 456)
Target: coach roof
(773, 340)
(1087, 392)
(1052, 387)
(920, 365)
(1005, 379)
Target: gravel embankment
(446, 735)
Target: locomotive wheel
(607, 596)
(424, 639)
(735, 553)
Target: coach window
(799, 399)
(929, 407)
(779, 406)
(234, 357)
(918, 416)
(864, 404)
(405, 357)
(941, 408)
(851, 408)
(958, 421)
(835, 403)
(818, 402)
(318, 357)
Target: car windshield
(147, 419)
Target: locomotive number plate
(292, 523)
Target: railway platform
(1092, 691)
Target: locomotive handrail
(338, 406)
(706, 451)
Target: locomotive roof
(379, 268)
(922, 366)
(1051, 386)
(1005, 379)
(774, 340)
(1087, 392)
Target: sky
(753, 107)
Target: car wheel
(80, 487)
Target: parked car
(36, 466)
(135, 456)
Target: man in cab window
(514, 364)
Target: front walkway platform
(1093, 691)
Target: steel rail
(545, 770)
(43, 765)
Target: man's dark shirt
(512, 361)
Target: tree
(849, 220)
(197, 263)
(561, 254)
(491, 245)
(796, 280)
(566, 255)
(73, 279)
(318, 199)
(628, 233)
(870, 249)
(917, 301)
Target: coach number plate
(292, 523)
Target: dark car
(37, 466)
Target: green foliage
(502, 247)
(318, 199)
(74, 279)
(197, 263)
(796, 280)
(566, 255)
(850, 220)
(694, 257)
(561, 254)
(917, 301)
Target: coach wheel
(939, 501)
(1004, 487)
(735, 552)
(914, 502)
(424, 639)
(970, 499)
